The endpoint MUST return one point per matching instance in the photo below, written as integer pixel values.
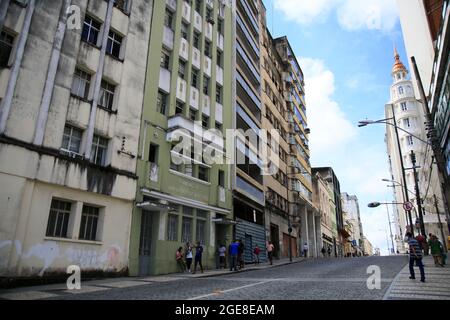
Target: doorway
(145, 243)
(275, 238)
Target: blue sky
(345, 48)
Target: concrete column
(304, 236)
(51, 74)
(98, 82)
(5, 106)
(312, 234)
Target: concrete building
(278, 217)
(425, 31)
(368, 248)
(350, 205)
(338, 226)
(300, 174)
(188, 98)
(71, 89)
(410, 118)
(323, 198)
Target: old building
(71, 89)
(188, 98)
(350, 205)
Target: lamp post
(390, 228)
(386, 121)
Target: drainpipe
(50, 81)
(5, 106)
(4, 4)
(98, 82)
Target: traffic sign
(408, 206)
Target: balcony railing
(251, 190)
(248, 36)
(251, 17)
(248, 63)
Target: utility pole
(402, 164)
(440, 223)
(418, 199)
(390, 228)
(437, 152)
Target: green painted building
(189, 81)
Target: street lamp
(386, 121)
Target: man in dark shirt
(234, 250)
(198, 257)
(415, 255)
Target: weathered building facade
(181, 197)
(71, 90)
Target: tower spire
(398, 65)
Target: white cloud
(330, 127)
(351, 14)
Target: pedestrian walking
(305, 250)
(179, 259)
(189, 256)
(256, 252)
(222, 256)
(436, 250)
(241, 254)
(270, 248)
(329, 251)
(233, 251)
(324, 251)
(198, 257)
(415, 255)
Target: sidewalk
(54, 290)
(436, 287)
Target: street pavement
(305, 279)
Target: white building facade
(350, 206)
(71, 88)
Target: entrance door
(275, 238)
(145, 243)
(248, 248)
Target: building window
(172, 228)
(165, 60)
(179, 109)
(219, 126)
(186, 230)
(198, 6)
(194, 81)
(208, 49)
(184, 31)
(71, 139)
(220, 26)
(81, 83)
(401, 90)
(58, 219)
(91, 30)
(200, 231)
(181, 69)
(203, 173)
(161, 103)
(410, 140)
(196, 41)
(205, 121)
(219, 59)
(407, 123)
(219, 94)
(98, 152)
(404, 106)
(222, 178)
(114, 44)
(189, 170)
(153, 155)
(89, 222)
(192, 114)
(206, 86)
(106, 98)
(6, 46)
(168, 19)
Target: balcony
(206, 106)
(196, 56)
(250, 17)
(186, 14)
(168, 38)
(219, 113)
(181, 90)
(195, 97)
(219, 75)
(198, 21)
(172, 5)
(245, 34)
(164, 80)
(207, 66)
(247, 95)
(184, 49)
(250, 190)
(247, 65)
(189, 127)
